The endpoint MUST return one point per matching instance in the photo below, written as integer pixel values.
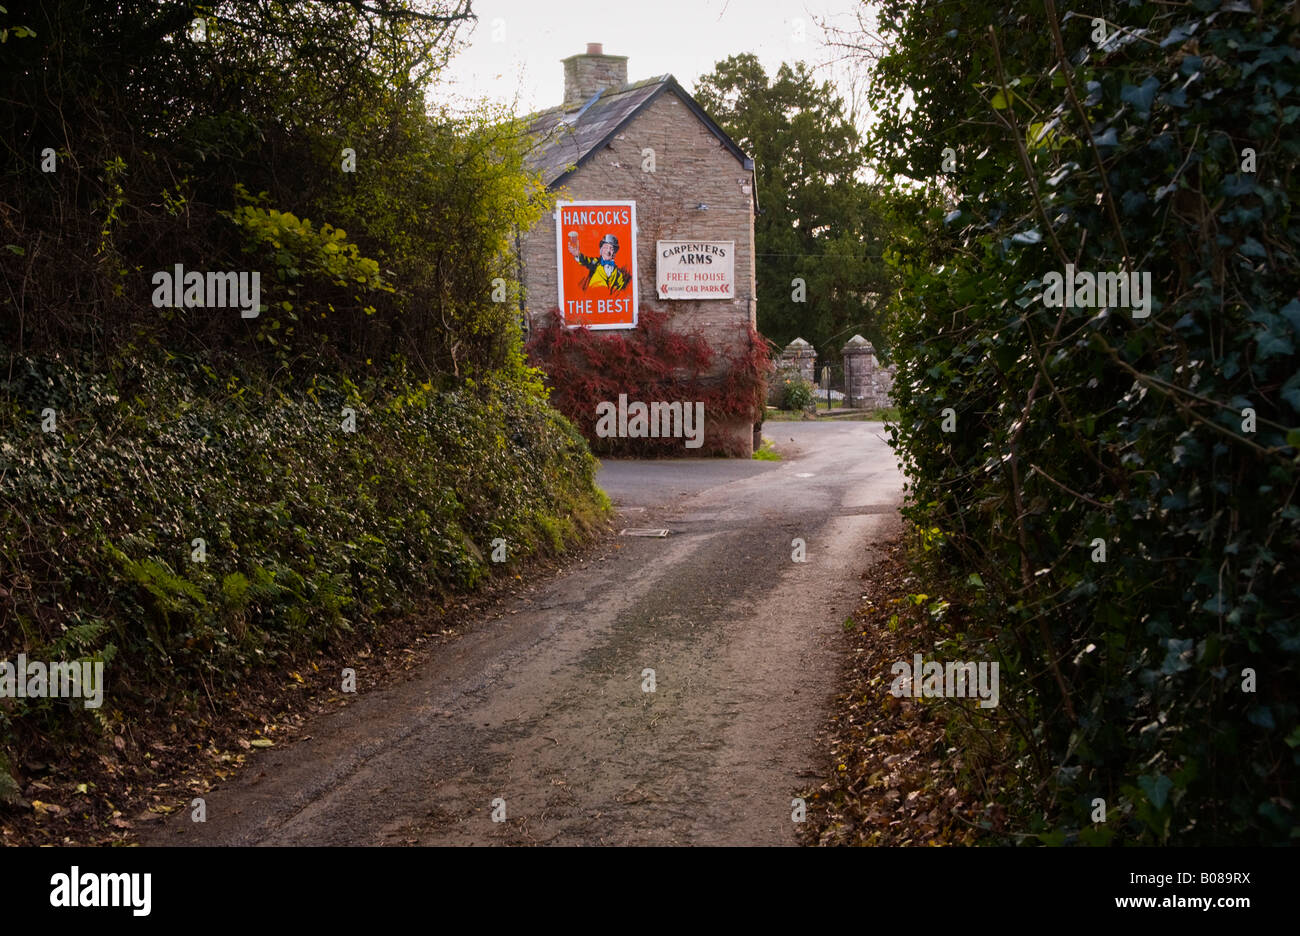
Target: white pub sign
(696, 269)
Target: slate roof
(564, 140)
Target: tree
(818, 220)
(279, 137)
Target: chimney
(593, 71)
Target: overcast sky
(514, 53)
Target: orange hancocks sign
(595, 243)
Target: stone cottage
(655, 210)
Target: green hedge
(309, 530)
(1163, 679)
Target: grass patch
(786, 416)
(882, 414)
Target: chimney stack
(590, 72)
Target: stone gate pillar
(866, 383)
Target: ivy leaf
(1238, 184)
(1214, 605)
(1291, 392)
(1291, 312)
(1156, 788)
(1179, 34)
(1271, 344)
(1179, 653)
(1140, 96)
(1109, 138)
(1252, 248)
(1262, 716)
(1133, 201)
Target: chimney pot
(595, 48)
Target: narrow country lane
(542, 704)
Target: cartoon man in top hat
(603, 271)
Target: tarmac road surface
(541, 706)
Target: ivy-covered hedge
(1115, 496)
(308, 530)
